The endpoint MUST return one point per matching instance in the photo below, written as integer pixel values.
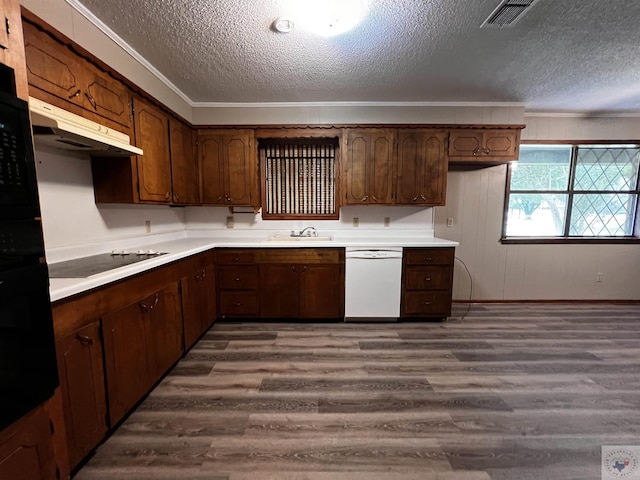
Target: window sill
(568, 240)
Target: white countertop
(182, 245)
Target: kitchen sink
(283, 238)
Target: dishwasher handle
(374, 254)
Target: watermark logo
(620, 461)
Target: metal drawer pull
(236, 259)
(427, 279)
(428, 259)
(486, 150)
(84, 339)
(426, 303)
(237, 304)
(237, 279)
(74, 94)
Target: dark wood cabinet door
(164, 330)
(198, 303)
(211, 157)
(184, 164)
(478, 145)
(107, 97)
(368, 170)
(421, 167)
(52, 68)
(228, 168)
(240, 169)
(320, 291)
(502, 143)
(465, 143)
(82, 385)
(154, 167)
(279, 290)
(26, 449)
(126, 359)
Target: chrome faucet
(305, 232)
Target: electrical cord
(470, 288)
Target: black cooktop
(87, 266)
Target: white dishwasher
(373, 279)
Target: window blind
(300, 179)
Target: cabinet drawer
(426, 304)
(236, 257)
(238, 278)
(428, 278)
(428, 256)
(238, 304)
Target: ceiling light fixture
(328, 17)
(283, 25)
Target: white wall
(475, 200)
(70, 216)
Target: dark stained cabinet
(484, 145)
(421, 167)
(141, 342)
(368, 166)
(4, 27)
(81, 372)
(198, 303)
(237, 281)
(427, 282)
(228, 167)
(154, 167)
(59, 76)
(184, 164)
(301, 283)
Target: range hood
(58, 128)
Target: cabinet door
(211, 158)
(228, 168)
(279, 290)
(368, 168)
(26, 452)
(321, 291)
(164, 330)
(82, 384)
(501, 144)
(126, 359)
(154, 167)
(184, 164)
(52, 68)
(465, 143)
(107, 97)
(422, 167)
(198, 303)
(4, 37)
(484, 145)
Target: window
(299, 179)
(572, 191)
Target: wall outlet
(599, 277)
(230, 222)
(147, 226)
(387, 221)
(450, 222)
(356, 222)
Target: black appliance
(28, 370)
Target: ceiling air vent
(507, 13)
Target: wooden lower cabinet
(81, 372)
(141, 342)
(237, 281)
(427, 282)
(302, 283)
(198, 303)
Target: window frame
(570, 192)
(310, 140)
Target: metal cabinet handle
(428, 259)
(365, 198)
(486, 150)
(146, 308)
(92, 100)
(167, 195)
(77, 92)
(426, 303)
(84, 339)
(237, 304)
(304, 269)
(476, 151)
(293, 268)
(237, 279)
(200, 276)
(415, 198)
(236, 259)
(427, 279)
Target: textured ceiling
(562, 55)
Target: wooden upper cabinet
(368, 167)
(484, 145)
(421, 167)
(184, 164)
(228, 168)
(59, 76)
(154, 167)
(4, 34)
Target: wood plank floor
(511, 392)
